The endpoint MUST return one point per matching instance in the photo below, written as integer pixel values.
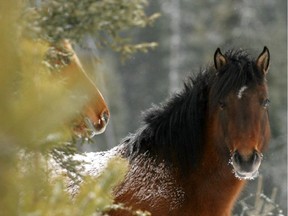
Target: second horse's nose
(105, 116)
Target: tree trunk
(172, 10)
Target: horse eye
(266, 103)
(222, 105)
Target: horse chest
(152, 186)
(212, 192)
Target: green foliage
(108, 21)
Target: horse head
(240, 110)
(95, 114)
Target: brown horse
(195, 152)
(95, 115)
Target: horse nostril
(105, 116)
(237, 157)
(256, 157)
(253, 158)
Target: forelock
(240, 71)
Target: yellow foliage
(42, 104)
(44, 198)
(35, 106)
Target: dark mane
(173, 131)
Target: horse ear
(219, 59)
(263, 61)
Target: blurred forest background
(188, 33)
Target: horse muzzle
(98, 127)
(89, 126)
(246, 166)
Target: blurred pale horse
(95, 114)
